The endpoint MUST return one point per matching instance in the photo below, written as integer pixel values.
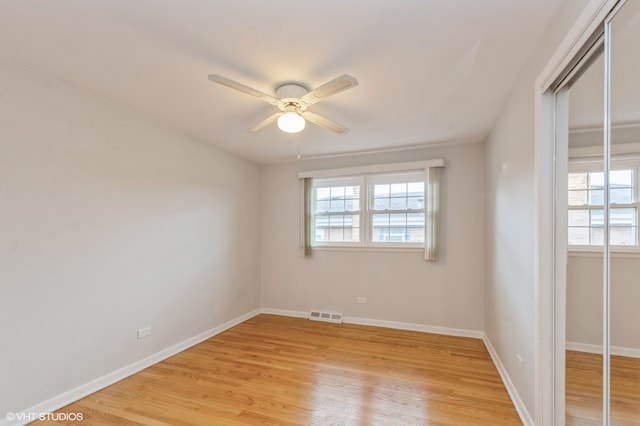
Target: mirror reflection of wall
(584, 300)
(624, 196)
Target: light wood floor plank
(290, 371)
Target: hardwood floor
(274, 370)
(584, 390)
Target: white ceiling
(429, 71)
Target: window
(586, 205)
(369, 210)
(336, 216)
(382, 205)
(397, 209)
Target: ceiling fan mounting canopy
(291, 91)
(293, 99)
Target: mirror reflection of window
(586, 204)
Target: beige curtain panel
(432, 216)
(307, 200)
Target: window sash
(332, 229)
(402, 230)
(337, 224)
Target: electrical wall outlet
(361, 300)
(144, 332)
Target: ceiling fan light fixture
(291, 122)
(293, 101)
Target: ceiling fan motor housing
(291, 92)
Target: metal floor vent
(325, 316)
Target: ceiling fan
(293, 99)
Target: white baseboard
(597, 349)
(414, 327)
(525, 417)
(95, 385)
(387, 324)
(284, 313)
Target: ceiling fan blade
(331, 88)
(244, 89)
(324, 122)
(264, 123)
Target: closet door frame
(550, 286)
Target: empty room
(319, 213)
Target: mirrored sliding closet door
(597, 245)
(624, 257)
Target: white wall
(399, 286)
(509, 285)
(110, 223)
(584, 301)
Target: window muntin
(337, 211)
(586, 214)
(370, 210)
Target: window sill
(369, 249)
(620, 254)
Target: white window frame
(430, 247)
(366, 211)
(623, 162)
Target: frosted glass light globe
(291, 122)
